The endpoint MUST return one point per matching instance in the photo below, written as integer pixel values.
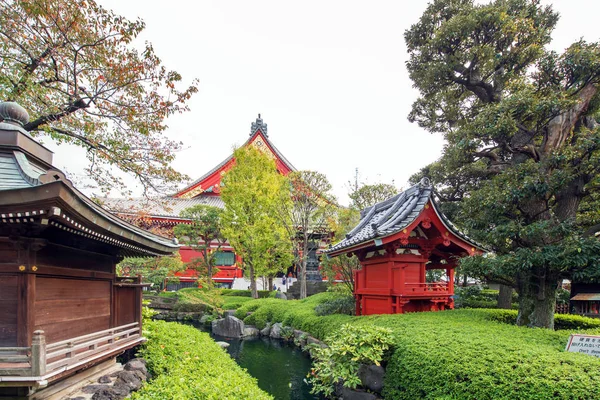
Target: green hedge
(262, 294)
(561, 321)
(188, 364)
(461, 354)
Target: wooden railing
(42, 360)
(426, 287)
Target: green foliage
(203, 229)
(476, 297)
(86, 79)
(252, 191)
(461, 354)
(154, 270)
(147, 312)
(306, 215)
(209, 299)
(245, 293)
(234, 302)
(188, 364)
(339, 305)
(347, 348)
(523, 141)
(561, 321)
(366, 195)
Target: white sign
(586, 344)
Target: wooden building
(207, 190)
(63, 310)
(585, 299)
(397, 241)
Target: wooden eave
(57, 204)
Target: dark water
(280, 368)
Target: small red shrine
(397, 241)
(205, 190)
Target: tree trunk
(252, 282)
(302, 272)
(270, 283)
(537, 301)
(505, 297)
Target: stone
(276, 331)
(250, 331)
(312, 340)
(280, 295)
(104, 379)
(228, 327)
(137, 364)
(223, 345)
(350, 394)
(111, 393)
(228, 313)
(128, 379)
(89, 389)
(266, 331)
(371, 377)
(204, 318)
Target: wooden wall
(8, 310)
(66, 308)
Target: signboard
(586, 344)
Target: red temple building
(397, 241)
(206, 190)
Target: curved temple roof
(32, 191)
(393, 215)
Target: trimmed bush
(461, 354)
(262, 294)
(188, 364)
(561, 321)
(341, 305)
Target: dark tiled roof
(166, 207)
(393, 215)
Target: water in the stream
(280, 368)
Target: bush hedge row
(461, 354)
(262, 294)
(188, 364)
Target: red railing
(426, 287)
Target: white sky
(328, 77)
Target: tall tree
(366, 195)
(203, 233)
(523, 139)
(306, 217)
(252, 190)
(72, 64)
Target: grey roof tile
(393, 215)
(166, 207)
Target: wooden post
(38, 354)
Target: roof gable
(398, 215)
(259, 139)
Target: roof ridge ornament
(258, 125)
(425, 182)
(13, 113)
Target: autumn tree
(73, 65)
(154, 270)
(203, 233)
(521, 125)
(252, 190)
(307, 216)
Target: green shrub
(349, 347)
(191, 307)
(188, 364)
(168, 295)
(341, 305)
(262, 294)
(234, 302)
(459, 354)
(561, 321)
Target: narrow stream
(280, 368)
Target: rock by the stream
(312, 340)
(223, 345)
(349, 394)
(276, 331)
(228, 313)
(204, 318)
(228, 327)
(250, 331)
(371, 377)
(266, 330)
(280, 295)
